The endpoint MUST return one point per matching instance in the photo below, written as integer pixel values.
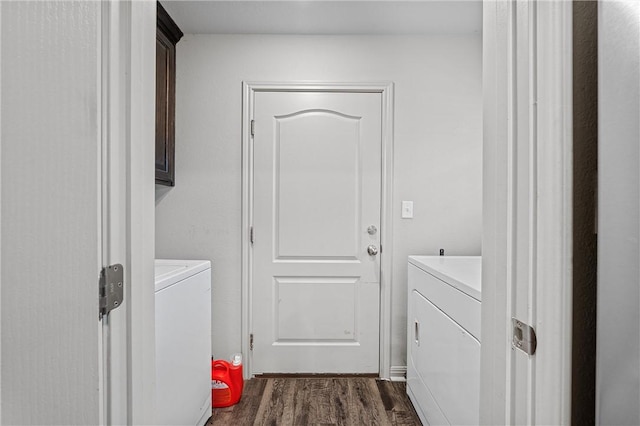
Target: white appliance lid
(461, 272)
(169, 271)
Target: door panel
(51, 213)
(316, 186)
(299, 321)
(302, 161)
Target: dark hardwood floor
(319, 401)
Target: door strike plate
(524, 337)
(111, 288)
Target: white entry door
(51, 214)
(316, 221)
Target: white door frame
(112, 114)
(552, 370)
(128, 51)
(548, 394)
(386, 234)
(1, 216)
(141, 217)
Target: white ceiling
(326, 17)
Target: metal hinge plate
(253, 127)
(251, 235)
(111, 288)
(251, 342)
(524, 337)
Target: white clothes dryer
(443, 339)
(183, 342)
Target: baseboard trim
(314, 375)
(398, 373)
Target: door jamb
(128, 31)
(141, 214)
(549, 396)
(386, 213)
(0, 215)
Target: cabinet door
(167, 35)
(165, 110)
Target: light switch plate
(407, 209)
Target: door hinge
(251, 342)
(251, 235)
(524, 337)
(111, 288)
(253, 127)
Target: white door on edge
(316, 194)
(51, 223)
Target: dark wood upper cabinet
(167, 35)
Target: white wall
(437, 139)
(618, 316)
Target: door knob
(372, 250)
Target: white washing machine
(183, 342)
(443, 339)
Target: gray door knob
(372, 250)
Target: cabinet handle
(416, 332)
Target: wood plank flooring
(319, 401)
